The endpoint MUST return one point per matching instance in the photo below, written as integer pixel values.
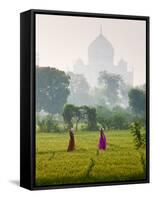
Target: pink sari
(102, 142)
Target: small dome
(78, 66)
(79, 62)
(122, 62)
(100, 50)
(122, 66)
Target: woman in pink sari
(102, 140)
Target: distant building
(101, 58)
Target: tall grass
(54, 165)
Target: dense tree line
(112, 105)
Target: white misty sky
(61, 40)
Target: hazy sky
(61, 40)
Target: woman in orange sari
(71, 146)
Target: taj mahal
(101, 58)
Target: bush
(139, 135)
(115, 118)
(47, 124)
(104, 116)
(121, 118)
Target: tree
(104, 116)
(51, 89)
(114, 118)
(98, 96)
(78, 114)
(68, 114)
(121, 118)
(137, 100)
(92, 119)
(73, 114)
(79, 90)
(112, 84)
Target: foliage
(79, 113)
(90, 115)
(98, 96)
(104, 116)
(139, 137)
(113, 118)
(73, 114)
(92, 120)
(68, 114)
(113, 88)
(51, 89)
(79, 90)
(121, 118)
(47, 124)
(140, 141)
(137, 100)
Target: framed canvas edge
(25, 170)
(32, 44)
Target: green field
(54, 165)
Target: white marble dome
(100, 51)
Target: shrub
(47, 124)
(139, 135)
(115, 118)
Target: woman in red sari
(71, 146)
